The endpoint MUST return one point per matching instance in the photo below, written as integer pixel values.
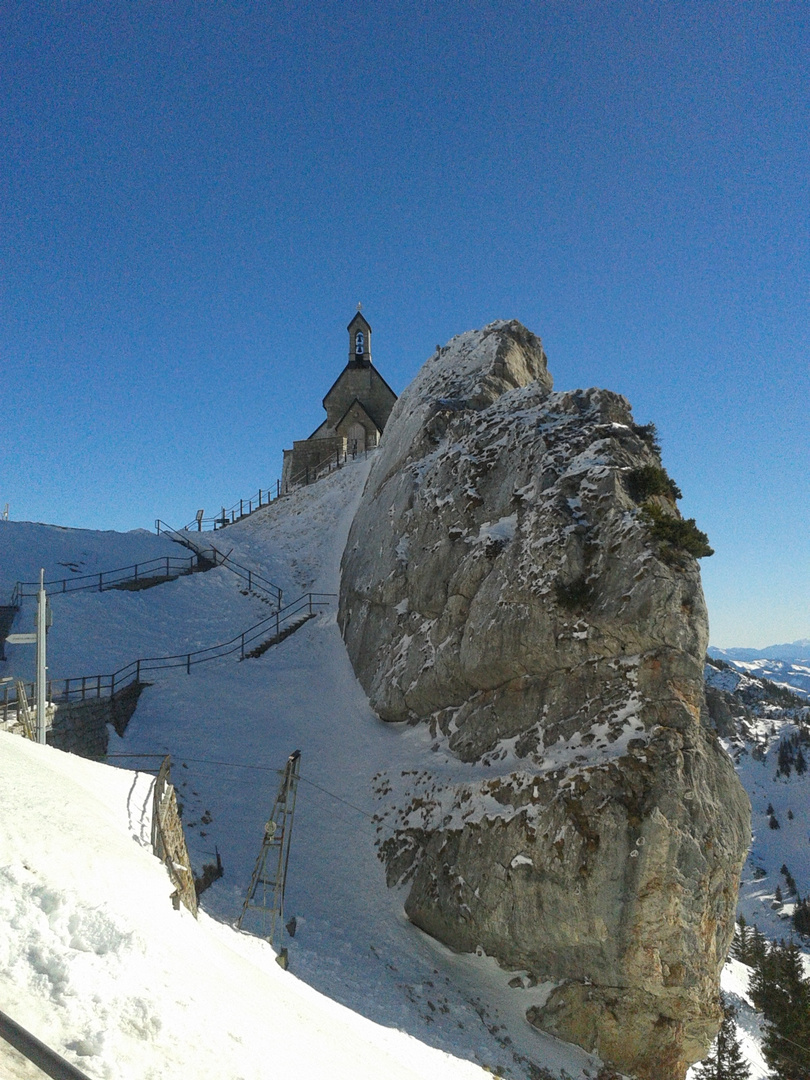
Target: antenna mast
(266, 890)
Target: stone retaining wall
(80, 727)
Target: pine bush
(725, 1061)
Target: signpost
(44, 621)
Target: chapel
(357, 405)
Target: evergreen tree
(741, 945)
(725, 1062)
(801, 763)
(757, 949)
(801, 916)
(781, 991)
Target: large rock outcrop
(518, 578)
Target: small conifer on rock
(725, 1062)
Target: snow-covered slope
(91, 914)
(27, 547)
(96, 963)
(785, 665)
(230, 726)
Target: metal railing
(245, 507)
(309, 474)
(161, 568)
(37, 1052)
(240, 509)
(255, 581)
(86, 687)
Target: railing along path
(161, 568)
(83, 687)
(245, 507)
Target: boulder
(506, 583)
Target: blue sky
(196, 195)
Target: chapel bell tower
(359, 341)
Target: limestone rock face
(501, 586)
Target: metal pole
(42, 602)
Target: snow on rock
(500, 590)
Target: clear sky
(196, 195)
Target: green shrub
(681, 533)
(573, 595)
(649, 434)
(650, 480)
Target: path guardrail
(216, 557)
(161, 568)
(37, 1052)
(240, 509)
(245, 507)
(86, 687)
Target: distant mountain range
(795, 650)
(786, 665)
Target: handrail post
(188, 664)
(99, 581)
(249, 581)
(137, 671)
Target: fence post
(241, 509)
(167, 566)
(98, 686)
(99, 581)
(260, 498)
(137, 671)
(278, 489)
(188, 664)
(67, 687)
(250, 583)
